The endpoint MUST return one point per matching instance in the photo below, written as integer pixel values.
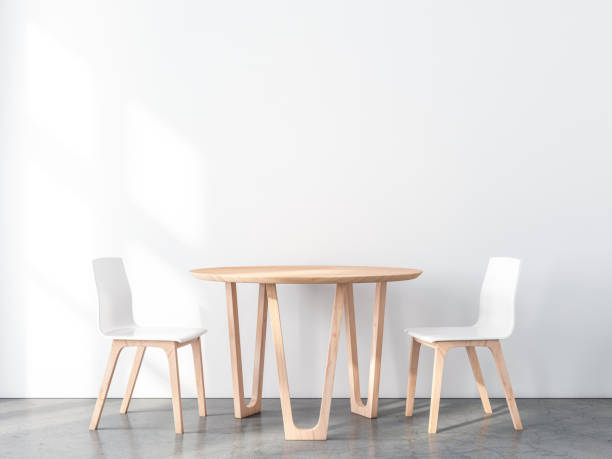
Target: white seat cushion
(471, 333)
(178, 334)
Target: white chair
(495, 322)
(116, 321)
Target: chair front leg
(175, 383)
(436, 387)
(415, 347)
(196, 347)
(482, 390)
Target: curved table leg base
(242, 409)
(293, 433)
(369, 409)
(319, 431)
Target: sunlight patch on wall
(163, 174)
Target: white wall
(419, 134)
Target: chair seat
(470, 333)
(178, 334)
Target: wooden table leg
(370, 409)
(242, 410)
(319, 431)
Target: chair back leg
(140, 350)
(116, 348)
(415, 347)
(498, 356)
(196, 348)
(482, 390)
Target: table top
(305, 274)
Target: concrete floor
(569, 428)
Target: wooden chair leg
(415, 347)
(196, 347)
(482, 390)
(436, 387)
(106, 380)
(140, 350)
(176, 387)
(498, 356)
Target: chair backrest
(114, 295)
(497, 297)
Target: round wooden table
(344, 277)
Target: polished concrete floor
(569, 428)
